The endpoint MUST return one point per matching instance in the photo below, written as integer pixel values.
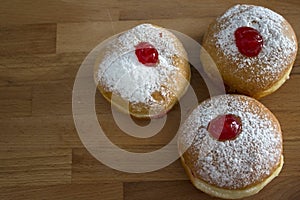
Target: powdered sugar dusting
(121, 72)
(234, 163)
(276, 49)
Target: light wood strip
(37, 12)
(103, 191)
(35, 167)
(87, 169)
(27, 39)
(15, 101)
(37, 133)
(36, 69)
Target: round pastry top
(279, 46)
(234, 164)
(120, 71)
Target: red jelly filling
(225, 127)
(146, 54)
(248, 41)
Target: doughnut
(231, 146)
(253, 48)
(143, 71)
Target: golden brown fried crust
(164, 100)
(191, 155)
(227, 193)
(234, 77)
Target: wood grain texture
(57, 11)
(38, 133)
(15, 101)
(27, 39)
(86, 169)
(35, 69)
(108, 191)
(42, 45)
(35, 167)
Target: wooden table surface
(42, 45)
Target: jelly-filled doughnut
(231, 146)
(253, 47)
(143, 71)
